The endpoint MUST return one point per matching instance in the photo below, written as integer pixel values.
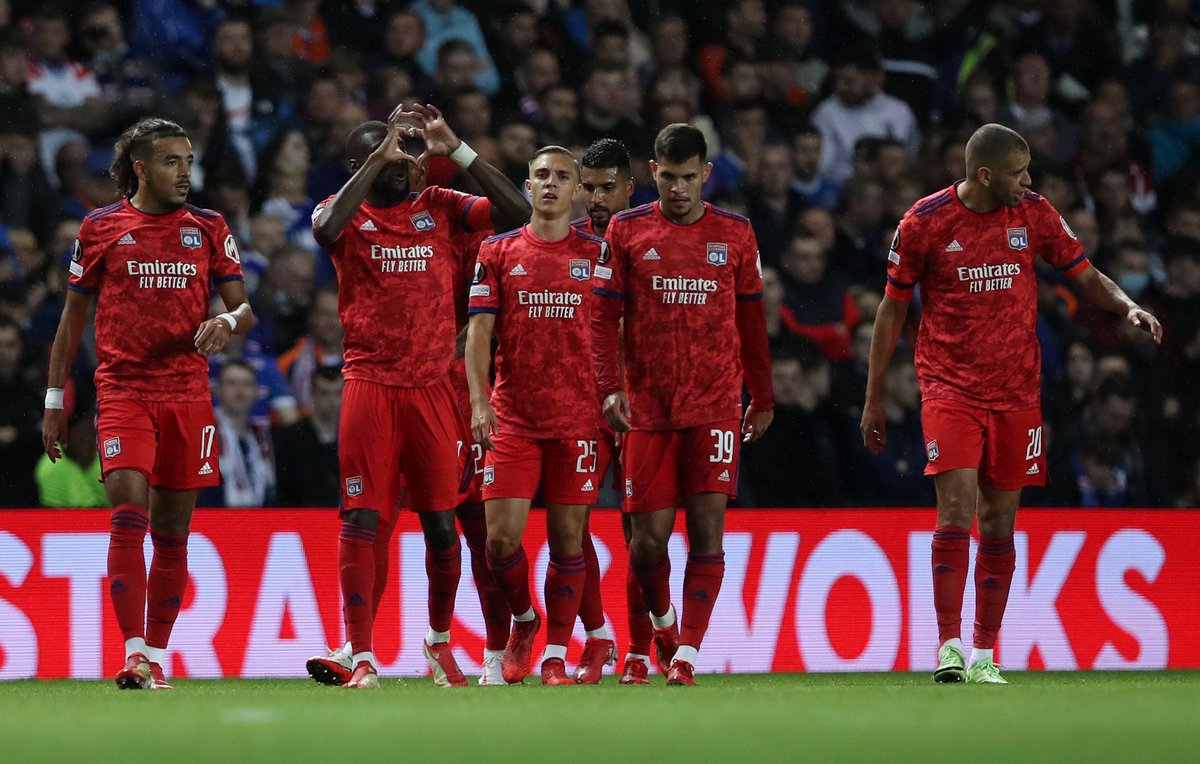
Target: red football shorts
(564, 467)
(174, 444)
(664, 467)
(608, 453)
(392, 438)
(471, 485)
(1005, 446)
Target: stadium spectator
(446, 21)
(819, 189)
(247, 458)
(130, 84)
(306, 451)
(321, 348)
(816, 304)
(796, 463)
(19, 421)
(283, 301)
(775, 201)
(859, 109)
(745, 29)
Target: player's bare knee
(647, 550)
(439, 529)
(502, 544)
(362, 518)
(955, 509)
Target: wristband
(54, 398)
(464, 155)
(230, 319)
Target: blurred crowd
(825, 122)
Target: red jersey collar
(528, 234)
(658, 208)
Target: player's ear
(629, 186)
(653, 169)
(529, 185)
(707, 171)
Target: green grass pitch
(1040, 717)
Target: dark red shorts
(608, 453)
(664, 467)
(399, 441)
(565, 468)
(174, 444)
(1005, 446)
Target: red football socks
(951, 556)
(655, 579)
(356, 569)
(512, 576)
(994, 563)
(166, 587)
(382, 549)
(591, 607)
(565, 579)
(701, 584)
(641, 631)
(127, 568)
(444, 568)
(496, 619)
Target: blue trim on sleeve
(81, 289)
(1073, 263)
(608, 293)
(466, 214)
(750, 297)
(227, 279)
(900, 284)
(473, 311)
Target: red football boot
(363, 678)
(334, 668)
(636, 672)
(157, 679)
(680, 674)
(441, 662)
(136, 674)
(666, 642)
(515, 662)
(597, 653)
(554, 673)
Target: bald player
(971, 248)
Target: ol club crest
(190, 237)
(423, 221)
(718, 254)
(1017, 238)
(580, 270)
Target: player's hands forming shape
(211, 337)
(54, 431)
(1146, 322)
(617, 412)
(755, 424)
(484, 425)
(874, 428)
(390, 150)
(440, 140)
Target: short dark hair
(137, 143)
(605, 153)
(610, 29)
(556, 149)
(450, 47)
(369, 133)
(680, 142)
(992, 143)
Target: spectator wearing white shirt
(67, 91)
(860, 109)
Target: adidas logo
(116, 587)
(724, 476)
(651, 255)
(173, 601)
(355, 600)
(126, 239)
(561, 592)
(588, 486)
(954, 246)
(700, 595)
(942, 568)
(368, 226)
(206, 469)
(518, 271)
(1033, 470)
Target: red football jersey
(541, 294)
(396, 269)
(153, 275)
(584, 224)
(978, 342)
(679, 284)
